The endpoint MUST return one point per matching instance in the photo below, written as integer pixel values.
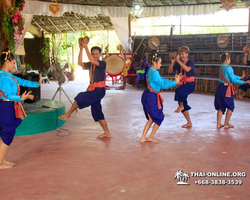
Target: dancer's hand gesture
(40, 79)
(178, 78)
(26, 95)
(243, 75)
(80, 46)
(178, 57)
(173, 60)
(84, 45)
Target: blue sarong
(8, 121)
(221, 102)
(150, 106)
(93, 99)
(182, 92)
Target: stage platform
(42, 116)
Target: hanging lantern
(54, 7)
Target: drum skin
(115, 65)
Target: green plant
(27, 68)
(73, 66)
(13, 24)
(45, 50)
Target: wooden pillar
(129, 31)
(107, 36)
(53, 49)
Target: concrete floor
(71, 164)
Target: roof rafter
(54, 25)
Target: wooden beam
(82, 22)
(39, 26)
(100, 24)
(54, 25)
(94, 29)
(127, 3)
(109, 22)
(69, 25)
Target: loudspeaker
(35, 91)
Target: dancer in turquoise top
(11, 111)
(152, 100)
(224, 96)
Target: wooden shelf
(206, 54)
(210, 65)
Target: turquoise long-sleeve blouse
(9, 87)
(157, 82)
(228, 72)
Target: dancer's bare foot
(179, 109)
(219, 126)
(143, 140)
(228, 126)
(104, 135)
(64, 117)
(152, 139)
(9, 163)
(188, 125)
(240, 96)
(5, 166)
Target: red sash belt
(230, 87)
(99, 84)
(19, 111)
(186, 79)
(159, 97)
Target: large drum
(115, 65)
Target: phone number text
(218, 182)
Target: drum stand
(60, 89)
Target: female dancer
(152, 101)
(224, 98)
(11, 110)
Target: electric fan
(61, 76)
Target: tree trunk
(5, 6)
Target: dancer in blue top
(186, 67)
(152, 101)
(11, 111)
(243, 88)
(224, 98)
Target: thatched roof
(71, 22)
(131, 3)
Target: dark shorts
(182, 92)
(150, 106)
(8, 122)
(221, 102)
(244, 87)
(93, 99)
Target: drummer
(95, 91)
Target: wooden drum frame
(115, 65)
